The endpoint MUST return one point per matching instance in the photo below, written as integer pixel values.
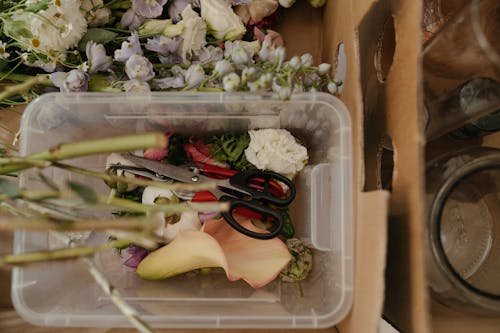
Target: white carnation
(276, 150)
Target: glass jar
(463, 229)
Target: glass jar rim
(480, 164)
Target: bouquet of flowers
(143, 45)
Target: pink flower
(273, 36)
(158, 154)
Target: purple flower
(137, 253)
(74, 81)
(136, 87)
(169, 82)
(163, 45)
(148, 8)
(210, 54)
(96, 55)
(131, 20)
(176, 7)
(174, 81)
(129, 48)
(139, 68)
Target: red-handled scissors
(236, 190)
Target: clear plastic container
(64, 294)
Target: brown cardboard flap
(369, 263)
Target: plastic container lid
(64, 294)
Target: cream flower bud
(194, 75)
(295, 62)
(324, 69)
(231, 82)
(153, 26)
(307, 59)
(279, 55)
(332, 87)
(222, 67)
(248, 74)
(221, 20)
(286, 3)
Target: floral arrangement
(144, 45)
(203, 240)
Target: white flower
(222, 67)
(276, 150)
(3, 53)
(129, 48)
(193, 34)
(194, 75)
(231, 82)
(332, 87)
(248, 74)
(58, 28)
(295, 62)
(95, 12)
(324, 68)
(221, 20)
(307, 59)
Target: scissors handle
(242, 180)
(257, 207)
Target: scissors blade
(168, 170)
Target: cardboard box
(322, 32)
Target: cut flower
(256, 261)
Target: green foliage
(85, 192)
(230, 148)
(98, 35)
(16, 29)
(176, 153)
(9, 188)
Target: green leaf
(11, 189)
(17, 29)
(98, 35)
(47, 181)
(36, 7)
(3, 64)
(83, 191)
(3, 151)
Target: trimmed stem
(113, 293)
(90, 147)
(27, 84)
(13, 224)
(67, 253)
(170, 208)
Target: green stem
(12, 90)
(14, 224)
(69, 253)
(90, 147)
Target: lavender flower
(139, 68)
(210, 54)
(163, 45)
(73, 81)
(170, 82)
(174, 81)
(131, 20)
(97, 59)
(129, 48)
(194, 76)
(148, 8)
(136, 87)
(176, 7)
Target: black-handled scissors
(236, 191)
